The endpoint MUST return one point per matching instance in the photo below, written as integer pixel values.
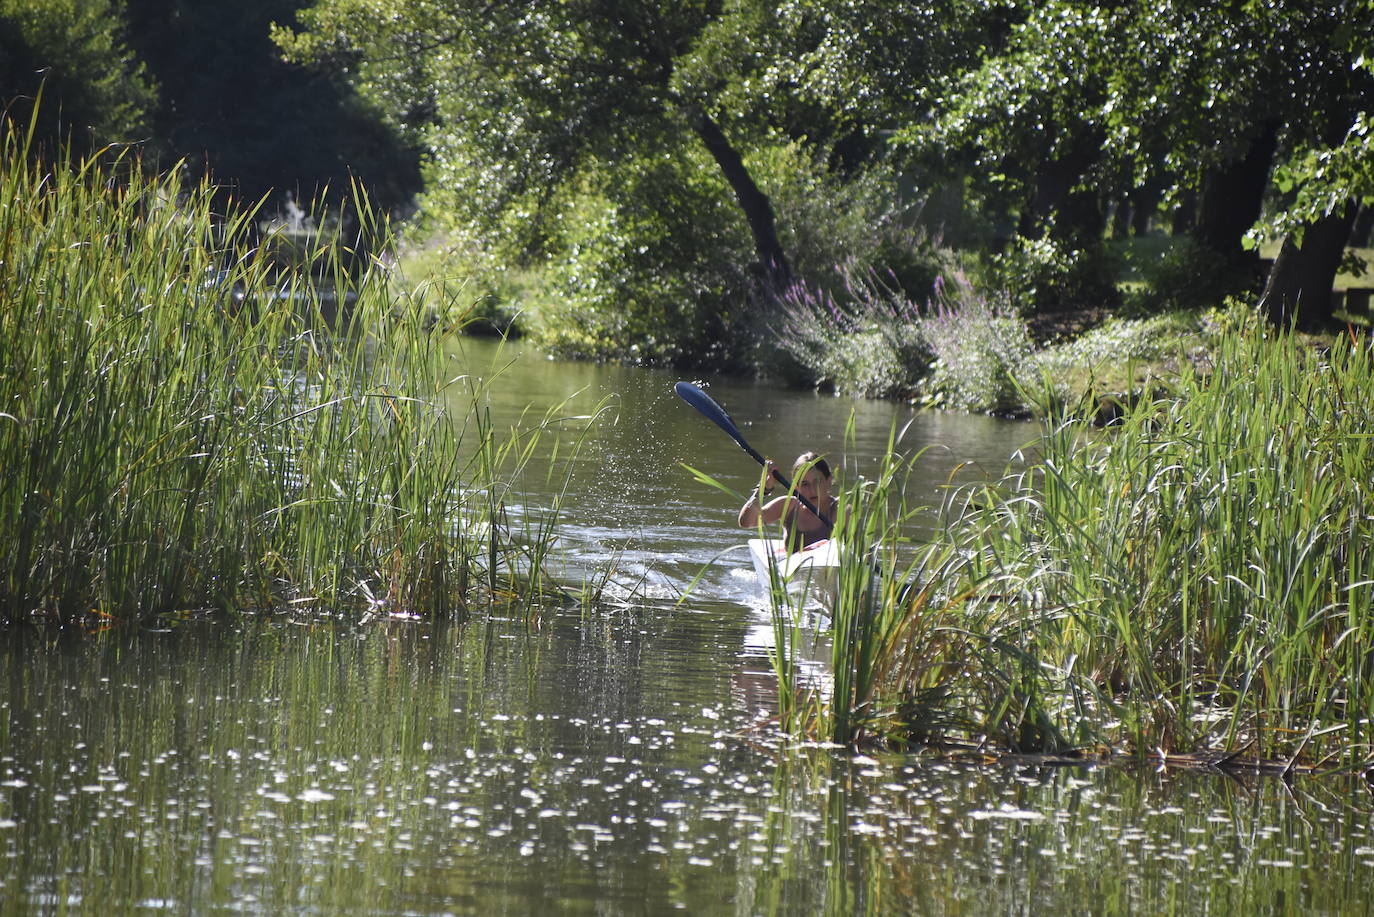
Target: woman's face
(814, 486)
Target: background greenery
(666, 182)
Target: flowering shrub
(871, 339)
(864, 340)
(983, 350)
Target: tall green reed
(1196, 579)
(187, 425)
(898, 640)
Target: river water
(618, 761)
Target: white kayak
(813, 568)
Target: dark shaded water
(616, 763)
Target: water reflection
(621, 764)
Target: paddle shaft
(707, 407)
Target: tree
(73, 54)
(1205, 99)
(1251, 90)
(231, 105)
(515, 101)
(1024, 121)
(1328, 171)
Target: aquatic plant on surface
(188, 427)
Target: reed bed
(1194, 581)
(186, 426)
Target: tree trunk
(1144, 206)
(1232, 198)
(1299, 285)
(1123, 218)
(758, 210)
(1364, 226)
(1185, 215)
(1061, 209)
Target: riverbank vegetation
(189, 424)
(671, 185)
(897, 200)
(1193, 581)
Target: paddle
(713, 412)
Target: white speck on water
(1008, 813)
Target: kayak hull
(813, 569)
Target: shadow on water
(615, 762)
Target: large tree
(516, 99)
(74, 54)
(1054, 108)
(1327, 170)
(230, 104)
(1225, 96)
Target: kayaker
(811, 478)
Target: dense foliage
(75, 52)
(540, 113)
(637, 156)
(654, 181)
(195, 81)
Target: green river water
(617, 762)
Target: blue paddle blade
(716, 414)
(707, 407)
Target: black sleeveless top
(795, 538)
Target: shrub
(645, 264)
(863, 340)
(1105, 359)
(983, 350)
(1046, 275)
(1188, 276)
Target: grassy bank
(185, 426)
(1195, 580)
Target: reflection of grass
(1197, 579)
(173, 442)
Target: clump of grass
(185, 426)
(1196, 580)
(1212, 559)
(1119, 361)
(916, 652)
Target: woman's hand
(752, 509)
(769, 479)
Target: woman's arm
(755, 509)
(760, 506)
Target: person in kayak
(801, 528)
